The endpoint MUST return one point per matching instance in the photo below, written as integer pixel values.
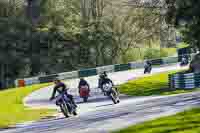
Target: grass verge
(185, 122)
(13, 111)
(156, 84)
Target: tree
(185, 15)
(187, 18)
(48, 42)
(133, 29)
(111, 35)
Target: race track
(99, 115)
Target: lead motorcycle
(110, 91)
(65, 104)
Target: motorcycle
(84, 93)
(184, 62)
(147, 69)
(65, 104)
(110, 92)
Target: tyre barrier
(184, 80)
(93, 71)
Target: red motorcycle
(84, 92)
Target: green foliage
(12, 109)
(156, 84)
(159, 53)
(183, 45)
(50, 45)
(165, 52)
(185, 122)
(59, 36)
(187, 18)
(152, 53)
(133, 54)
(110, 35)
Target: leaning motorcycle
(147, 70)
(110, 92)
(84, 92)
(65, 104)
(184, 62)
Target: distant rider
(184, 60)
(147, 67)
(61, 88)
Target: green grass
(12, 109)
(185, 122)
(156, 84)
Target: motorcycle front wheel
(113, 98)
(64, 109)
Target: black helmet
(56, 80)
(102, 75)
(81, 78)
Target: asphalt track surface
(100, 115)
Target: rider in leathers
(83, 82)
(61, 88)
(103, 80)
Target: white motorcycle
(111, 92)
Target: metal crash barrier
(184, 80)
(94, 71)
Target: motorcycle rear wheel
(85, 99)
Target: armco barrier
(68, 75)
(170, 60)
(157, 62)
(121, 67)
(184, 80)
(87, 72)
(109, 69)
(95, 71)
(30, 81)
(135, 65)
(49, 78)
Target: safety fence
(93, 71)
(184, 80)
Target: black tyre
(145, 70)
(113, 98)
(149, 70)
(64, 109)
(118, 101)
(75, 113)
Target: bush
(136, 54)
(152, 53)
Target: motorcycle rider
(100, 84)
(101, 77)
(103, 80)
(147, 67)
(61, 88)
(83, 82)
(184, 60)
